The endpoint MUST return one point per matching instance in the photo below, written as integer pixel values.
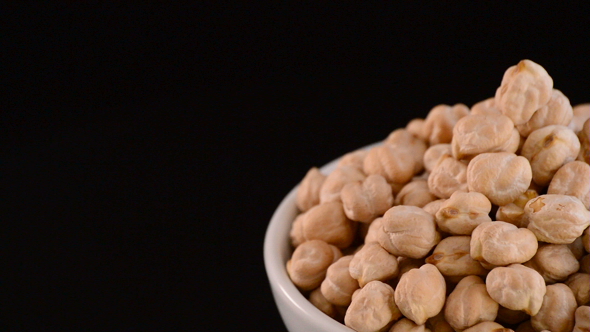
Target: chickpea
(373, 262)
(338, 285)
(586, 239)
(558, 310)
(319, 301)
(475, 134)
(309, 262)
(525, 88)
(548, 149)
(353, 159)
(420, 293)
(373, 231)
(514, 212)
(581, 114)
(462, 212)
(438, 323)
(558, 219)
(555, 262)
(408, 231)
(415, 193)
(328, 222)
(585, 264)
(396, 164)
(500, 176)
(406, 325)
(470, 304)
(511, 317)
(488, 327)
(486, 107)
(516, 287)
(451, 257)
(584, 138)
(434, 153)
(416, 128)
(525, 327)
(335, 181)
(579, 283)
(434, 206)
(572, 179)
(577, 248)
(364, 201)
(449, 175)
(558, 111)
(296, 234)
(439, 123)
(500, 243)
(308, 193)
(401, 138)
(582, 318)
(373, 308)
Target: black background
(146, 147)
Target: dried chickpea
(373, 231)
(333, 184)
(516, 287)
(364, 201)
(396, 164)
(558, 111)
(439, 123)
(434, 206)
(586, 239)
(338, 285)
(558, 310)
(319, 301)
(416, 128)
(487, 327)
(511, 317)
(577, 248)
(555, 262)
(579, 283)
(548, 149)
(485, 107)
(584, 138)
(308, 193)
(438, 323)
(525, 327)
(372, 308)
(309, 262)
(408, 231)
(514, 212)
(470, 304)
(525, 88)
(581, 114)
(328, 222)
(415, 193)
(585, 264)
(475, 134)
(420, 293)
(451, 257)
(462, 212)
(433, 154)
(406, 325)
(558, 219)
(582, 319)
(296, 233)
(500, 176)
(373, 262)
(401, 138)
(500, 243)
(572, 179)
(353, 159)
(447, 176)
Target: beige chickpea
(572, 179)
(500, 243)
(470, 304)
(585, 264)
(438, 323)
(353, 159)
(309, 262)
(402, 138)
(555, 262)
(420, 293)
(548, 149)
(577, 248)
(514, 212)
(579, 283)
(296, 233)
(500, 176)
(319, 301)
(415, 193)
(558, 111)
(525, 88)
(485, 107)
(372, 308)
(439, 123)
(408, 231)
(406, 325)
(558, 219)
(373, 231)
(557, 311)
(416, 128)
(475, 134)
(462, 212)
(516, 287)
(447, 176)
(582, 319)
(581, 113)
(335, 181)
(487, 327)
(511, 317)
(338, 285)
(308, 193)
(586, 239)
(327, 222)
(584, 139)
(366, 200)
(525, 327)
(451, 257)
(434, 153)
(395, 163)
(434, 206)
(373, 262)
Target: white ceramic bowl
(297, 312)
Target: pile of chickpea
(468, 220)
